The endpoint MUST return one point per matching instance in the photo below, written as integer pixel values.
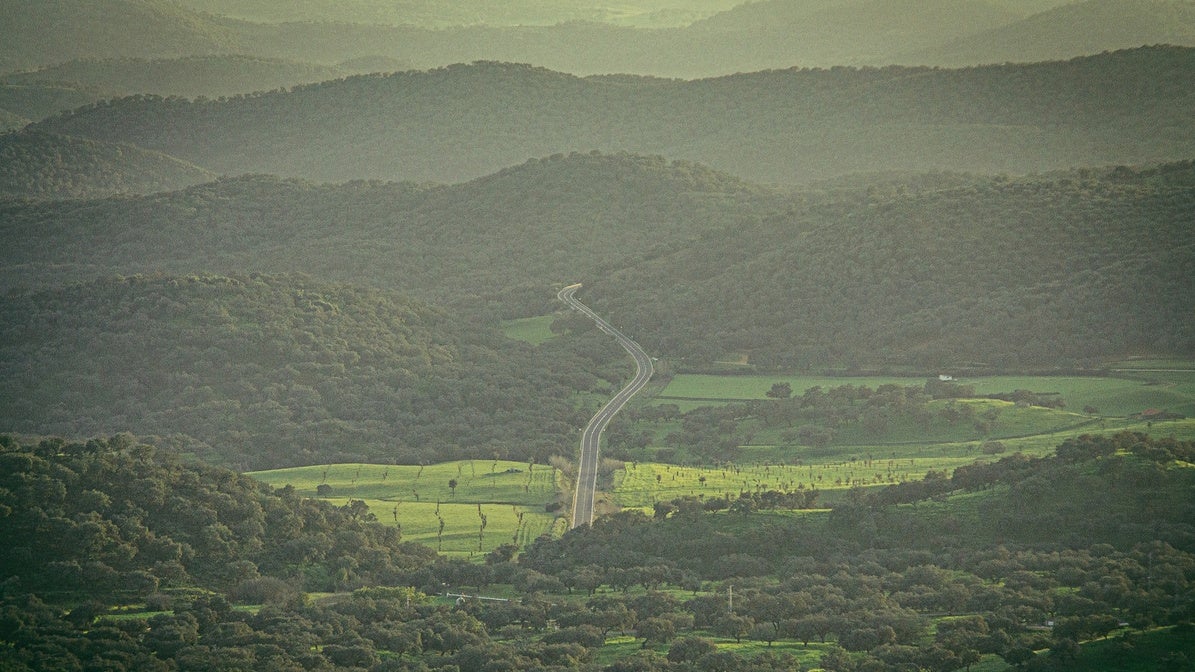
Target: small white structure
(943, 377)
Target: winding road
(587, 470)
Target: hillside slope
(268, 371)
(191, 76)
(1036, 271)
(42, 165)
(776, 126)
(935, 270)
(1070, 30)
(466, 243)
(39, 33)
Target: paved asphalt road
(587, 471)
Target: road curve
(587, 469)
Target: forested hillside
(1055, 270)
(462, 244)
(120, 555)
(937, 270)
(775, 126)
(46, 166)
(262, 372)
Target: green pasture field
(533, 330)
(619, 647)
(1120, 396)
(1136, 651)
(640, 485)
(408, 496)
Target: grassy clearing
(643, 484)
(511, 495)
(619, 647)
(533, 330)
(1131, 392)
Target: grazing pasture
(512, 496)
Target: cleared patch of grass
(533, 330)
(1128, 393)
(511, 495)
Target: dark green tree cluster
(37, 165)
(111, 518)
(268, 371)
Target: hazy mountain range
(769, 34)
(794, 125)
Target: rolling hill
(465, 243)
(1068, 31)
(38, 165)
(41, 33)
(1041, 271)
(191, 76)
(29, 101)
(936, 270)
(647, 38)
(267, 371)
(465, 121)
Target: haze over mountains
(770, 34)
(789, 126)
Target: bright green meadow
(511, 495)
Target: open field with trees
(483, 504)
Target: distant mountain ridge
(1070, 30)
(754, 36)
(464, 121)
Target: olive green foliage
(999, 272)
(117, 517)
(1096, 540)
(939, 279)
(36, 165)
(267, 371)
(464, 121)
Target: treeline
(115, 518)
(464, 121)
(268, 371)
(876, 586)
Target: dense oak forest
(261, 372)
(940, 270)
(1090, 539)
(1056, 270)
(36, 165)
(790, 125)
